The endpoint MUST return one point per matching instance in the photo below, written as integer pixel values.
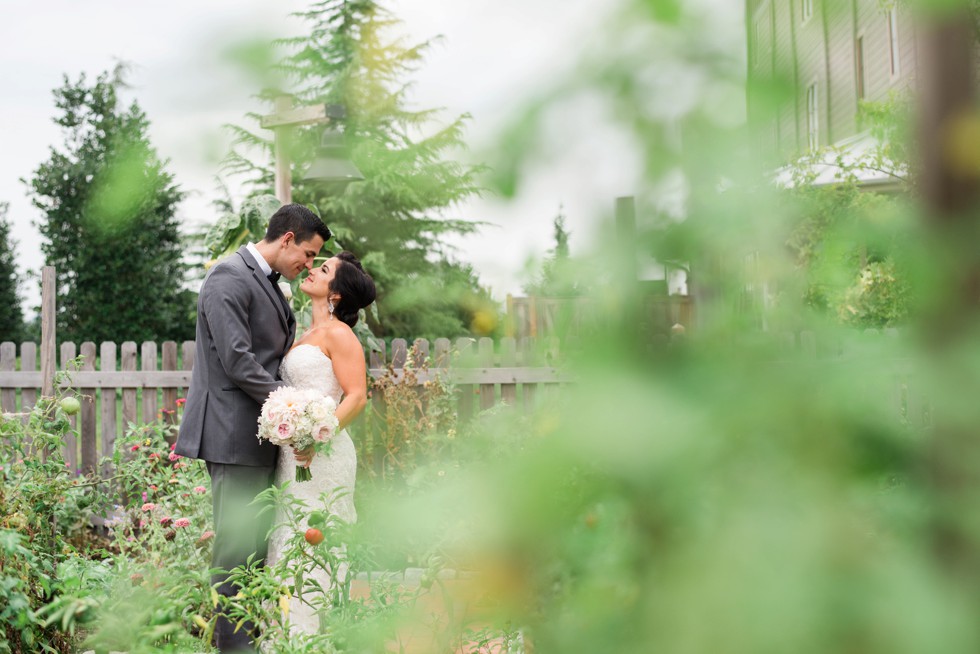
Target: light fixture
(332, 166)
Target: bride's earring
(330, 308)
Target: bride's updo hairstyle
(356, 288)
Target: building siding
(821, 51)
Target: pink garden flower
(173, 456)
(181, 401)
(200, 489)
(180, 523)
(134, 448)
(166, 521)
(144, 496)
(154, 455)
(205, 537)
(149, 506)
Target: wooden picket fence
(128, 384)
(536, 317)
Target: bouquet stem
(303, 473)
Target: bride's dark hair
(356, 288)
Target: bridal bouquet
(298, 418)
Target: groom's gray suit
(244, 329)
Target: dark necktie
(274, 278)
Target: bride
(328, 358)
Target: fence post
(107, 403)
(48, 355)
(87, 416)
(487, 391)
(148, 363)
(130, 415)
(71, 442)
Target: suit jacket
(243, 332)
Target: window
(762, 41)
(812, 118)
(893, 52)
(859, 67)
(806, 9)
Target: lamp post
(331, 167)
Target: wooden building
(811, 62)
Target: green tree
(556, 277)
(109, 221)
(397, 220)
(11, 313)
(849, 242)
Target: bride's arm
(348, 365)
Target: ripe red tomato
(314, 536)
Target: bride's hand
(304, 457)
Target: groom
(244, 329)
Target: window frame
(894, 46)
(860, 78)
(812, 117)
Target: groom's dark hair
(297, 219)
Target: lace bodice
(306, 366)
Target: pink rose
(285, 429)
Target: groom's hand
(304, 457)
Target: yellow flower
(284, 605)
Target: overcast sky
(493, 55)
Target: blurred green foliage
(109, 224)
(762, 485)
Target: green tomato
(317, 519)
(70, 405)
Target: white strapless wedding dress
(306, 366)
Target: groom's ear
(287, 238)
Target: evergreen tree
(11, 313)
(109, 222)
(557, 277)
(396, 219)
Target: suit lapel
(271, 292)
